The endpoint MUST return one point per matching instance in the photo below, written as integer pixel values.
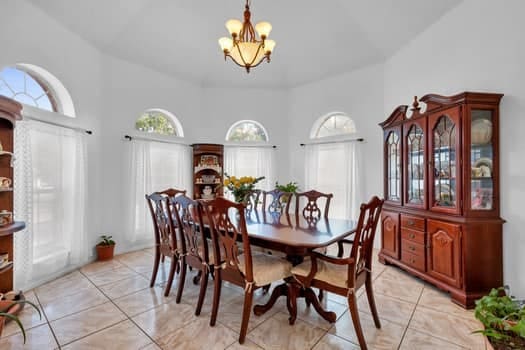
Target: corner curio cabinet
(207, 170)
(441, 217)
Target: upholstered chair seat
(336, 275)
(267, 268)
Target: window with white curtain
(333, 165)
(153, 166)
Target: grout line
(47, 320)
(411, 316)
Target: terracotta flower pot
(105, 252)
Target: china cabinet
(207, 170)
(9, 114)
(441, 217)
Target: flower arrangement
(240, 187)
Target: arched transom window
(247, 130)
(158, 121)
(26, 88)
(334, 124)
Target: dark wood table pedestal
(293, 290)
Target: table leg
(281, 289)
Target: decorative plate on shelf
(483, 164)
(481, 131)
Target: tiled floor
(110, 306)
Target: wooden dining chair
(311, 211)
(344, 276)
(171, 192)
(228, 226)
(166, 241)
(194, 245)
(279, 201)
(252, 200)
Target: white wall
(478, 46)
(27, 35)
(359, 94)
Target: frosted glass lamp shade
(263, 29)
(234, 26)
(226, 44)
(268, 46)
(247, 53)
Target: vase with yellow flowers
(240, 187)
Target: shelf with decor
(10, 112)
(208, 162)
(450, 203)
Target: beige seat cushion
(333, 274)
(267, 268)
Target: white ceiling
(315, 38)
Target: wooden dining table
(295, 236)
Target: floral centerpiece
(240, 187)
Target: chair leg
(248, 298)
(352, 306)
(202, 293)
(371, 301)
(163, 258)
(182, 278)
(266, 288)
(216, 297)
(173, 266)
(320, 295)
(156, 263)
(197, 278)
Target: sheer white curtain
(153, 166)
(335, 168)
(50, 196)
(251, 161)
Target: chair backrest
(163, 225)
(252, 200)
(172, 192)
(279, 201)
(364, 237)
(311, 211)
(227, 224)
(188, 214)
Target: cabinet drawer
(412, 235)
(413, 222)
(412, 247)
(413, 260)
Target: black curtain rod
(335, 141)
(129, 138)
(89, 132)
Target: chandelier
(243, 47)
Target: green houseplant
(9, 310)
(105, 248)
(503, 318)
(289, 187)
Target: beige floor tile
(387, 337)
(391, 309)
(139, 261)
(89, 321)
(420, 341)
(110, 276)
(397, 274)
(149, 250)
(438, 300)
(165, 319)
(100, 266)
(151, 346)
(191, 336)
(332, 342)
(228, 296)
(248, 345)
(124, 287)
(447, 327)
(301, 335)
(69, 284)
(63, 306)
(122, 336)
(37, 338)
(28, 316)
(405, 290)
(308, 314)
(141, 301)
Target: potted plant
(504, 320)
(289, 187)
(105, 248)
(9, 310)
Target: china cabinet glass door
(415, 162)
(445, 182)
(481, 160)
(393, 164)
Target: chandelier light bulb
(234, 26)
(268, 46)
(263, 29)
(226, 44)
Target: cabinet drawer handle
(412, 236)
(412, 261)
(411, 222)
(412, 248)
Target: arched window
(34, 86)
(159, 121)
(333, 124)
(247, 130)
